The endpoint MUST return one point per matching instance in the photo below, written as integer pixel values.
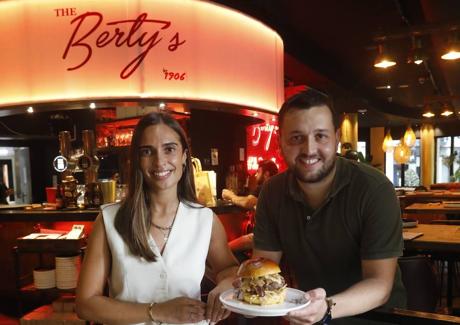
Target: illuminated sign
(161, 49)
(60, 164)
(262, 144)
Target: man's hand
(312, 313)
(227, 194)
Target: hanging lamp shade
(453, 49)
(402, 153)
(384, 59)
(387, 145)
(409, 137)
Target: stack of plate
(67, 268)
(44, 278)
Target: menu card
(407, 235)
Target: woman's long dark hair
(133, 218)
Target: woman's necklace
(164, 230)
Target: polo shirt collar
(341, 179)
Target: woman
(154, 245)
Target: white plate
(295, 299)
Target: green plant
(449, 162)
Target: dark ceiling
(331, 45)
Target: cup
(108, 189)
(51, 194)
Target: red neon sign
(262, 143)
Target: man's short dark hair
(268, 166)
(306, 100)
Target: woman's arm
(225, 266)
(92, 305)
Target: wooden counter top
(35, 215)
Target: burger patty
(258, 286)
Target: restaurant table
(432, 207)
(437, 239)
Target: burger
(260, 282)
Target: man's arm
(247, 202)
(275, 256)
(371, 292)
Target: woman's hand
(312, 313)
(215, 311)
(179, 310)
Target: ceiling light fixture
(387, 145)
(453, 48)
(402, 153)
(417, 54)
(409, 137)
(92, 105)
(446, 110)
(428, 111)
(30, 109)
(383, 60)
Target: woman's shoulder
(192, 208)
(109, 210)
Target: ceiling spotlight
(447, 111)
(383, 60)
(417, 54)
(30, 109)
(428, 112)
(92, 105)
(162, 105)
(383, 87)
(453, 49)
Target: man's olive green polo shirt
(359, 220)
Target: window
(362, 147)
(447, 159)
(411, 168)
(443, 147)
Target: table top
(435, 238)
(431, 207)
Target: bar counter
(19, 213)
(16, 221)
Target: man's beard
(318, 176)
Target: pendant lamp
(387, 145)
(409, 137)
(402, 153)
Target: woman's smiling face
(161, 157)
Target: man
(267, 168)
(242, 246)
(336, 221)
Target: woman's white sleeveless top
(176, 273)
